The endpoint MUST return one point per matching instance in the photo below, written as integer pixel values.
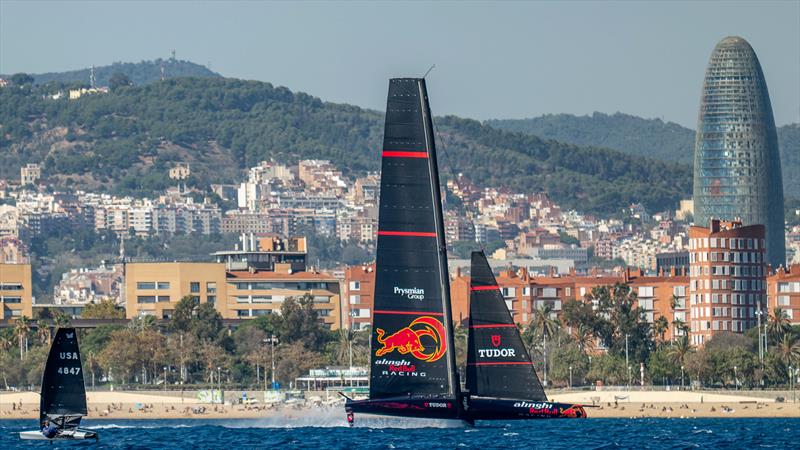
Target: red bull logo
(408, 340)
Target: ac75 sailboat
(63, 401)
(413, 368)
(501, 380)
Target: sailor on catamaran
(49, 429)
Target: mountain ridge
(665, 141)
(125, 141)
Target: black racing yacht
(63, 401)
(412, 360)
(501, 381)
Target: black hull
(510, 409)
(425, 408)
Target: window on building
(163, 298)
(145, 285)
(11, 299)
(146, 299)
(509, 291)
(163, 285)
(355, 299)
(10, 286)
(212, 299)
(568, 291)
(355, 285)
(195, 298)
(645, 291)
(194, 287)
(211, 287)
(323, 312)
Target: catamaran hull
(405, 407)
(67, 435)
(509, 409)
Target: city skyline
(544, 57)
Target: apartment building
(358, 296)
(156, 288)
(253, 293)
(16, 295)
(783, 291)
(727, 278)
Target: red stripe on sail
(507, 363)
(484, 288)
(495, 325)
(407, 233)
(411, 313)
(400, 154)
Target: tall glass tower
(737, 166)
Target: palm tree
(678, 352)
(584, 338)
(680, 325)
(43, 332)
(6, 341)
(778, 324)
(347, 348)
(788, 350)
(61, 320)
(544, 326)
(22, 326)
(660, 327)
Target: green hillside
(665, 141)
(139, 73)
(125, 142)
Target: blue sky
(493, 60)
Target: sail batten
(412, 330)
(498, 364)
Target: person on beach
(49, 429)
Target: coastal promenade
(610, 403)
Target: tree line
(602, 338)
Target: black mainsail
(413, 370)
(498, 364)
(63, 400)
(501, 381)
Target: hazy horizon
(494, 61)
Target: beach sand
(676, 404)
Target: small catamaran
(63, 400)
(501, 381)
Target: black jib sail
(411, 352)
(63, 394)
(498, 365)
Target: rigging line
(451, 168)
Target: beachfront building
(252, 293)
(727, 290)
(357, 298)
(783, 291)
(250, 281)
(16, 295)
(155, 289)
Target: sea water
(724, 433)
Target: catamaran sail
(63, 397)
(501, 380)
(413, 370)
